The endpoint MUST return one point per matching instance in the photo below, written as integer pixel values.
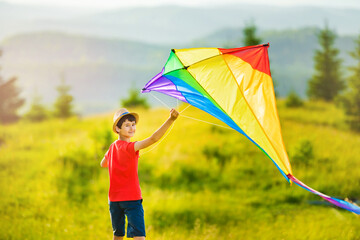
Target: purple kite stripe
(153, 80)
(337, 202)
(163, 85)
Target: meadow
(200, 182)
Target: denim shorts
(134, 212)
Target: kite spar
(235, 86)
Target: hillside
(101, 71)
(52, 186)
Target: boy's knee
(118, 238)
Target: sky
(109, 4)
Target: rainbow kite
(235, 86)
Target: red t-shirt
(123, 171)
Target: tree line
(328, 83)
(10, 102)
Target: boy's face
(127, 129)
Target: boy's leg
(135, 215)
(117, 215)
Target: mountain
(181, 24)
(170, 24)
(101, 71)
(101, 54)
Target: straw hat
(121, 113)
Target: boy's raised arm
(158, 133)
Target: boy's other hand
(173, 114)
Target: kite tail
(338, 202)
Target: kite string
(185, 108)
(182, 115)
(160, 101)
(162, 139)
(163, 103)
(170, 127)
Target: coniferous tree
(37, 110)
(10, 100)
(250, 37)
(351, 99)
(134, 100)
(63, 104)
(293, 100)
(326, 83)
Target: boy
(122, 160)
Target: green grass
(200, 182)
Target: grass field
(200, 182)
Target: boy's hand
(173, 114)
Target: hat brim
(121, 116)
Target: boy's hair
(129, 117)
